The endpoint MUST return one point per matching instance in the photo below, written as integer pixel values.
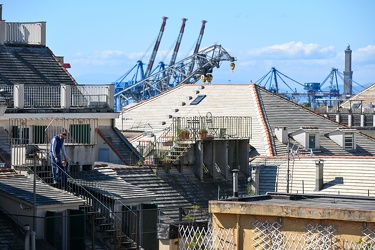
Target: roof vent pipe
(1, 12)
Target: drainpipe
(235, 183)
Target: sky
(303, 40)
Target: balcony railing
(188, 129)
(23, 96)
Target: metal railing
(42, 96)
(99, 202)
(188, 129)
(36, 97)
(89, 96)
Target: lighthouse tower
(348, 73)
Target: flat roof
(332, 207)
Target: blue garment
(56, 148)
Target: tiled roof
(21, 187)
(31, 65)
(176, 189)
(267, 110)
(279, 112)
(104, 180)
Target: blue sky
(301, 39)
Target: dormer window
(308, 137)
(344, 137)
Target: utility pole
(288, 169)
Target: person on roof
(56, 149)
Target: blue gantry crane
(272, 78)
(187, 71)
(137, 72)
(143, 85)
(313, 90)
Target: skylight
(198, 99)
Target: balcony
(31, 98)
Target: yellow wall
(244, 231)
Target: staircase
(179, 148)
(119, 145)
(102, 222)
(106, 231)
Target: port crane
(187, 71)
(145, 84)
(138, 69)
(313, 90)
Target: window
(39, 135)
(349, 141)
(312, 141)
(80, 133)
(198, 99)
(20, 135)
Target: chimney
(282, 134)
(319, 174)
(1, 12)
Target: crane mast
(177, 46)
(156, 47)
(198, 44)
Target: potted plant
(168, 143)
(183, 133)
(202, 133)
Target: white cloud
(364, 55)
(292, 50)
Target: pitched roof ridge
(263, 118)
(303, 107)
(154, 97)
(66, 71)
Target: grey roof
(176, 189)
(104, 180)
(280, 112)
(267, 110)
(21, 188)
(31, 65)
(345, 171)
(357, 203)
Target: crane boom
(177, 46)
(156, 47)
(205, 61)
